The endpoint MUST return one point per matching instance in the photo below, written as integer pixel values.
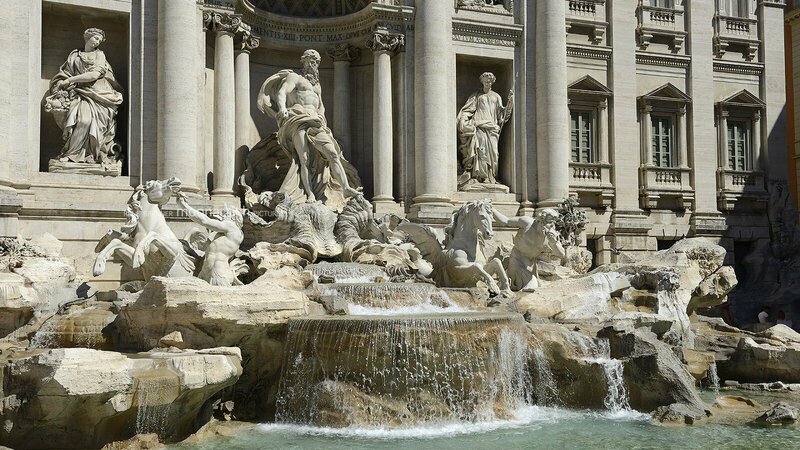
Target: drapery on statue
(295, 102)
(220, 244)
(480, 121)
(84, 100)
(535, 236)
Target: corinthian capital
(244, 39)
(221, 22)
(343, 52)
(383, 41)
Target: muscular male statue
(226, 237)
(535, 236)
(295, 102)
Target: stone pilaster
(773, 88)
(244, 42)
(177, 92)
(223, 26)
(552, 120)
(343, 55)
(382, 44)
(434, 114)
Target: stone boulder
(82, 398)
(655, 376)
(252, 317)
(779, 414)
(664, 287)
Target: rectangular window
(662, 145)
(661, 3)
(735, 8)
(738, 145)
(581, 126)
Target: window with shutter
(738, 145)
(662, 144)
(582, 136)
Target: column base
(710, 225)
(431, 209)
(10, 205)
(386, 205)
(549, 203)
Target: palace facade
(667, 118)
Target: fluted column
(382, 45)
(552, 118)
(177, 143)
(434, 113)
(245, 42)
(343, 55)
(223, 26)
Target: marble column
(552, 118)
(224, 26)
(382, 44)
(177, 92)
(756, 141)
(245, 42)
(434, 110)
(343, 55)
(647, 130)
(723, 147)
(683, 142)
(602, 125)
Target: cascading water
(348, 272)
(400, 371)
(154, 395)
(599, 352)
(392, 298)
(712, 379)
(58, 329)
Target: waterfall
(392, 298)
(153, 404)
(546, 389)
(68, 330)
(712, 379)
(379, 371)
(348, 272)
(599, 352)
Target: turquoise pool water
(536, 427)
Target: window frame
(732, 159)
(656, 149)
(592, 146)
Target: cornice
(663, 60)
(500, 35)
(739, 68)
(586, 52)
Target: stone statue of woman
(479, 124)
(84, 100)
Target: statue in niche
(318, 171)
(84, 100)
(479, 124)
(219, 246)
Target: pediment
(667, 93)
(743, 99)
(587, 85)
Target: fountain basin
(407, 370)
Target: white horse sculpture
(461, 263)
(146, 241)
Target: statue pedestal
(109, 170)
(476, 186)
(504, 202)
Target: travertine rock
(84, 398)
(252, 317)
(780, 413)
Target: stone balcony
(588, 16)
(592, 180)
(738, 32)
(736, 186)
(660, 23)
(665, 187)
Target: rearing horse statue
(146, 241)
(461, 262)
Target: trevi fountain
(195, 263)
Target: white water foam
(524, 417)
(713, 378)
